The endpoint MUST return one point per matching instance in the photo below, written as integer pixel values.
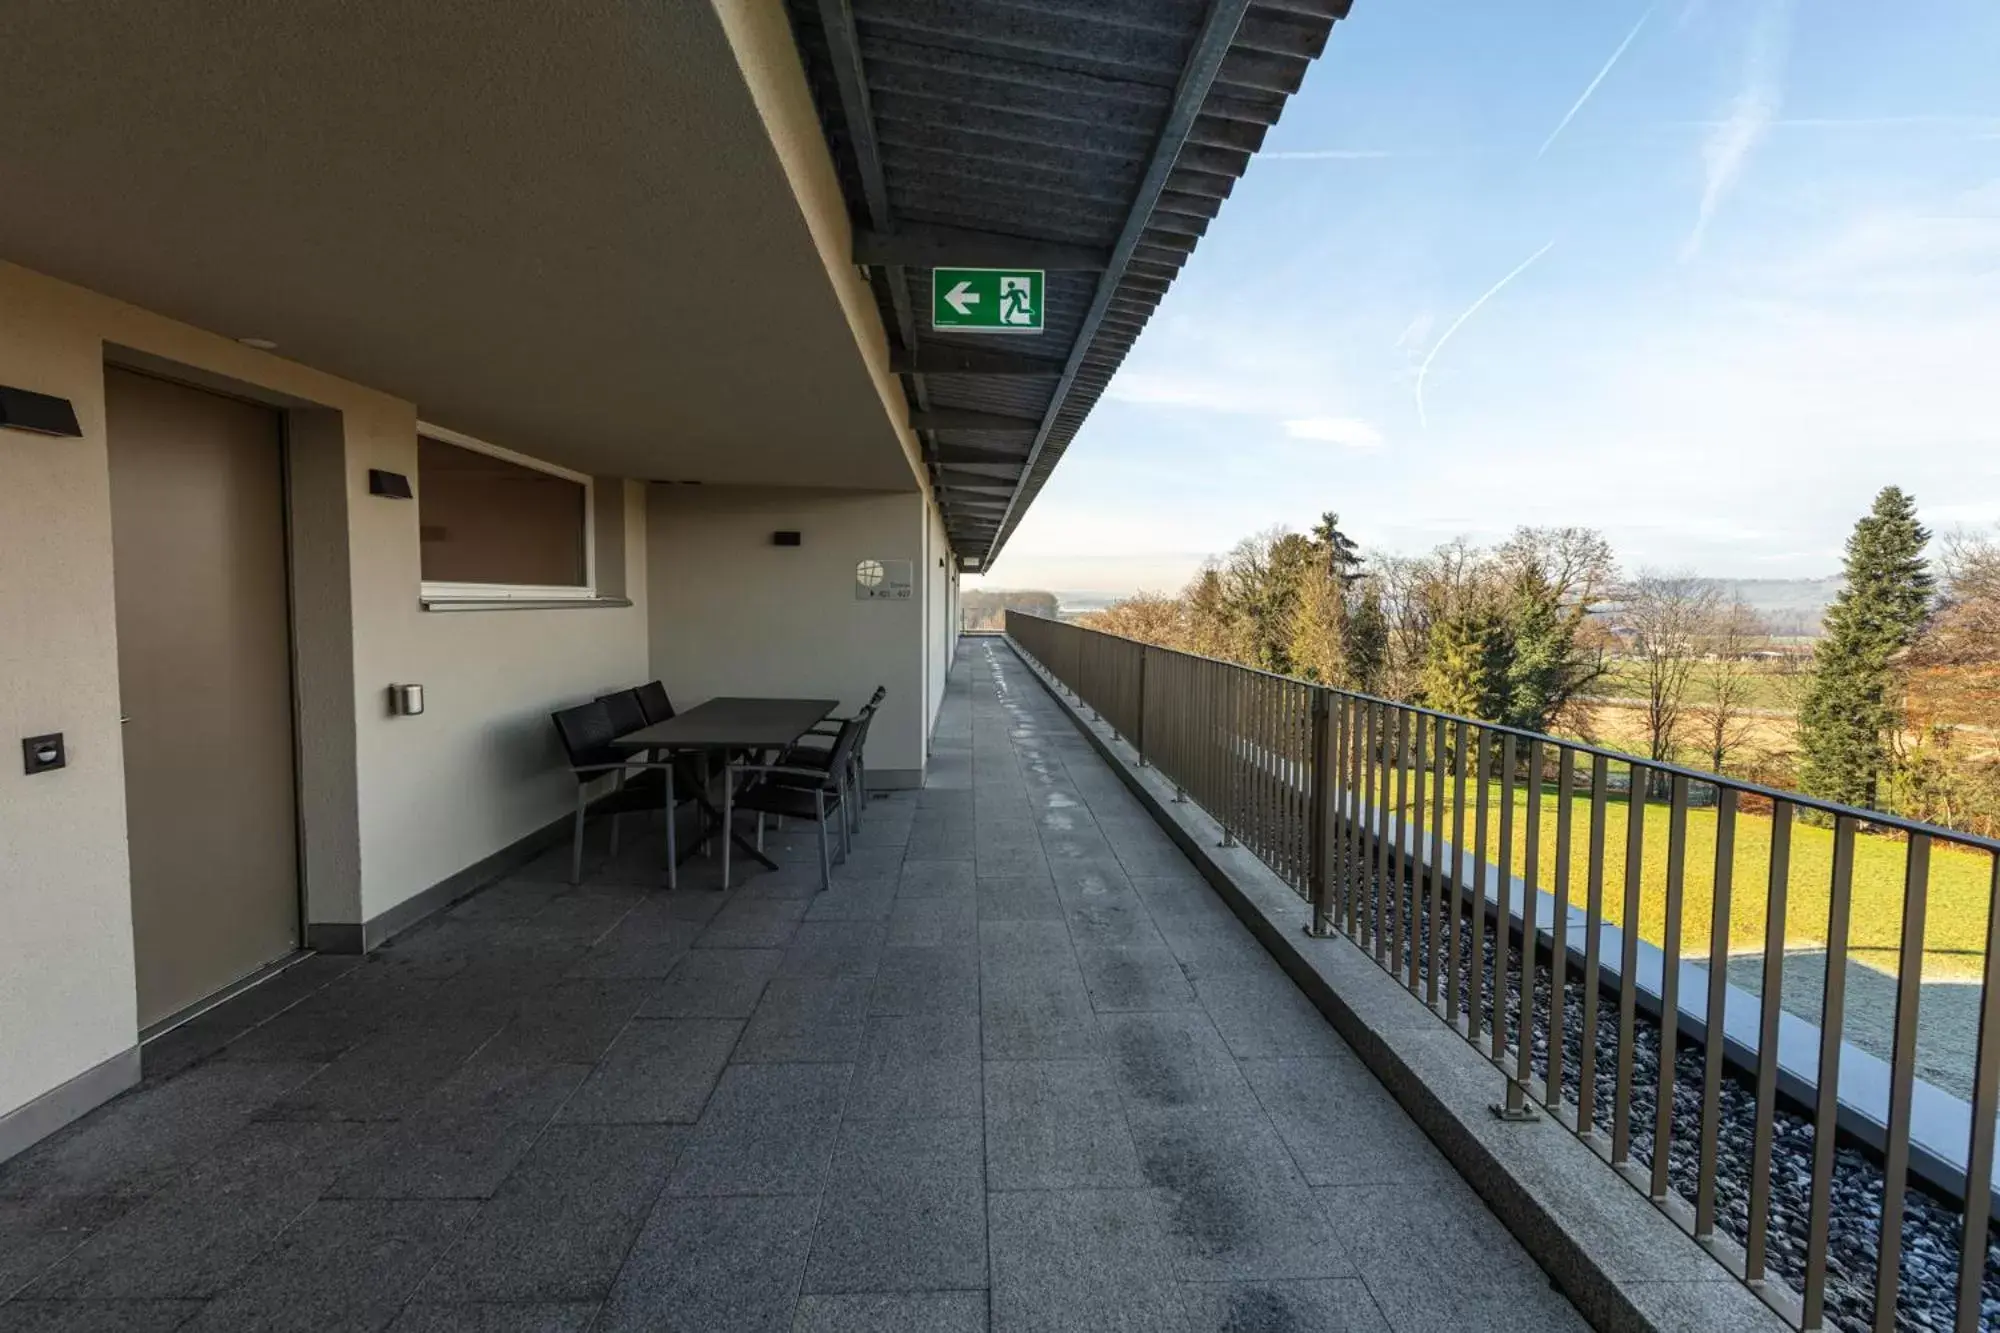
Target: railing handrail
(1797, 800)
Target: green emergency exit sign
(992, 300)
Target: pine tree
(1342, 552)
(1467, 658)
(1850, 710)
(1368, 639)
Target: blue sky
(1762, 280)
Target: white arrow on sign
(962, 298)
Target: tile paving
(1019, 1069)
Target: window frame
(436, 591)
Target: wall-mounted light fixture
(785, 539)
(44, 414)
(406, 700)
(389, 485)
(42, 754)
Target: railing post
(1139, 713)
(1321, 785)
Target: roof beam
(837, 18)
(964, 418)
(947, 359)
(980, 454)
(1211, 47)
(927, 245)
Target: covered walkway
(1020, 1069)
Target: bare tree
(1727, 677)
(1669, 616)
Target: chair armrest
(815, 773)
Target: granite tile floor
(1019, 1069)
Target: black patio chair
(852, 775)
(628, 711)
(794, 793)
(809, 753)
(830, 724)
(692, 769)
(587, 731)
(653, 701)
(656, 707)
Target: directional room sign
(995, 300)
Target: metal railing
(1365, 807)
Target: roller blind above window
(497, 525)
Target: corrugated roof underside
(1037, 119)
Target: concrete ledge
(1623, 1263)
(36, 1120)
(367, 936)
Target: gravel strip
(1931, 1228)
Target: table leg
(712, 823)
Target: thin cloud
(1424, 370)
(1732, 140)
(1351, 432)
(1980, 127)
(1331, 155)
(1590, 88)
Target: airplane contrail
(1570, 115)
(1470, 311)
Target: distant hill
(987, 608)
(1791, 607)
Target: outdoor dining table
(731, 725)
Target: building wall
(481, 767)
(937, 609)
(391, 806)
(67, 1001)
(733, 614)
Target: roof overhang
(1094, 141)
(571, 229)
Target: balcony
(1554, 905)
(1021, 1068)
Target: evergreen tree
(1368, 640)
(1328, 565)
(1850, 711)
(1538, 663)
(1342, 553)
(1467, 659)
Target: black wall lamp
(44, 414)
(389, 485)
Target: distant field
(1622, 726)
(1771, 686)
(1955, 922)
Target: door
(205, 685)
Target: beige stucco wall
(937, 609)
(733, 614)
(481, 766)
(66, 992)
(430, 795)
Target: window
(496, 525)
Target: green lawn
(1955, 919)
